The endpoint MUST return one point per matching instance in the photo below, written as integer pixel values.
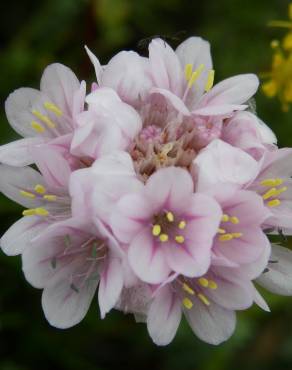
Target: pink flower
(45, 196)
(245, 131)
(69, 261)
(167, 226)
(208, 303)
(42, 116)
(107, 125)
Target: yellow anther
(195, 75)
(40, 189)
(37, 127)
(234, 220)
(270, 193)
(187, 303)
(156, 230)
(28, 212)
(170, 216)
(27, 194)
(210, 80)
(188, 289)
(280, 191)
(224, 218)
(188, 71)
(212, 285)
(41, 212)
(221, 231)
(225, 237)
(44, 118)
(271, 182)
(179, 239)
(182, 225)
(50, 198)
(204, 299)
(236, 235)
(163, 238)
(53, 108)
(204, 282)
(274, 203)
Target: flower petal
(110, 285)
(164, 317)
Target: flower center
(167, 227)
(43, 119)
(192, 76)
(229, 221)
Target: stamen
(225, 237)
(37, 127)
(188, 71)
(53, 108)
(237, 235)
(280, 191)
(221, 231)
(41, 212)
(182, 225)
(163, 238)
(44, 118)
(156, 230)
(234, 220)
(270, 193)
(204, 299)
(179, 239)
(27, 194)
(28, 212)
(50, 198)
(210, 80)
(274, 203)
(170, 216)
(195, 75)
(212, 285)
(225, 218)
(188, 289)
(204, 282)
(40, 189)
(187, 303)
(271, 182)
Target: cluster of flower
(279, 78)
(156, 189)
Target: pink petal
(212, 324)
(164, 317)
(19, 236)
(110, 286)
(147, 259)
(96, 64)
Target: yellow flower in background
(279, 78)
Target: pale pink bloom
(43, 115)
(221, 163)
(167, 227)
(70, 261)
(44, 195)
(245, 131)
(178, 77)
(240, 239)
(208, 303)
(127, 73)
(274, 184)
(109, 124)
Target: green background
(36, 33)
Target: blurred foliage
(36, 33)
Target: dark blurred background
(35, 33)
